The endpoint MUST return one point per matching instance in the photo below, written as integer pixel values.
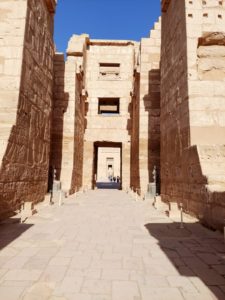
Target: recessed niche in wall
(109, 70)
(108, 106)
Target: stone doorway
(107, 165)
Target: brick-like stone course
(149, 111)
(113, 128)
(192, 108)
(69, 116)
(27, 81)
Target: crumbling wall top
(77, 45)
(212, 38)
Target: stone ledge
(51, 5)
(212, 39)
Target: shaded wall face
(60, 103)
(149, 106)
(174, 100)
(68, 122)
(77, 175)
(106, 127)
(24, 168)
(134, 158)
(153, 105)
(68, 100)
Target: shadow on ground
(10, 230)
(108, 185)
(195, 252)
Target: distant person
(114, 179)
(110, 174)
(118, 179)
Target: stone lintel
(164, 5)
(51, 5)
(78, 54)
(110, 43)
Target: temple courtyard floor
(104, 245)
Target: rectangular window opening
(108, 106)
(109, 70)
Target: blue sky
(104, 19)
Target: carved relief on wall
(211, 56)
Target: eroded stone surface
(27, 81)
(192, 108)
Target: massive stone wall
(149, 111)
(206, 68)
(174, 100)
(192, 117)
(60, 104)
(11, 54)
(69, 115)
(77, 175)
(26, 60)
(134, 120)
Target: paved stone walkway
(105, 246)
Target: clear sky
(104, 19)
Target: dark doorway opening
(107, 165)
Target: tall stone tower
(149, 107)
(26, 72)
(193, 107)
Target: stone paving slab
(103, 245)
